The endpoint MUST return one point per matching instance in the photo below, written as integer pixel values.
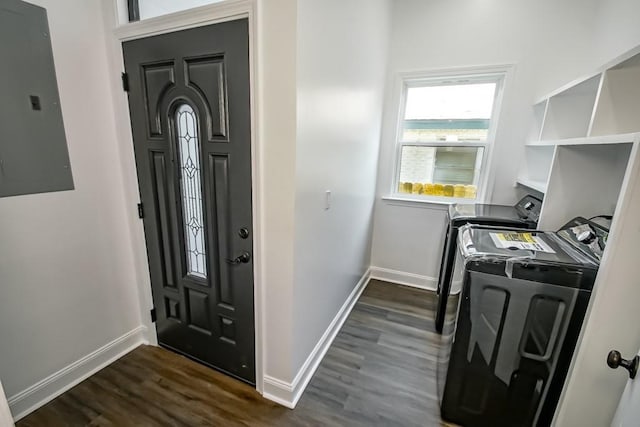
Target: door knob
(243, 258)
(243, 233)
(614, 359)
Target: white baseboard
(288, 394)
(278, 391)
(404, 278)
(282, 392)
(54, 385)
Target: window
(145, 9)
(444, 135)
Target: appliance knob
(528, 206)
(586, 236)
(614, 360)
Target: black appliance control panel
(529, 208)
(587, 236)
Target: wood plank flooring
(379, 371)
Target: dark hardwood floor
(380, 370)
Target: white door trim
(116, 34)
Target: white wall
(548, 43)
(6, 418)
(616, 29)
(277, 112)
(341, 64)
(66, 285)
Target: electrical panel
(33, 146)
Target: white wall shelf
(621, 59)
(602, 109)
(534, 171)
(618, 106)
(539, 186)
(602, 104)
(570, 85)
(585, 180)
(539, 114)
(569, 113)
(592, 140)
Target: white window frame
(497, 74)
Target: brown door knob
(614, 360)
(243, 258)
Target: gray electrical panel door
(33, 146)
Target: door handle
(614, 360)
(243, 258)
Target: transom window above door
(445, 131)
(145, 9)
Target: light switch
(327, 200)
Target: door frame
(119, 30)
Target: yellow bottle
(428, 189)
(470, 191)
(448, 190)
(438, 190)
(458, 190)
(417, 188)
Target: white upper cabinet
(602, 109)
(569, 112)
(618, 107)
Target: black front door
(190, 114)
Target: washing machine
(523, 214)
(513, 317)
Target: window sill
(438, 203)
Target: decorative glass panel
(191, 190)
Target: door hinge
(125, 82)
(140, 210)
(152, 312)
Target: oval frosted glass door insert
(191, 191)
